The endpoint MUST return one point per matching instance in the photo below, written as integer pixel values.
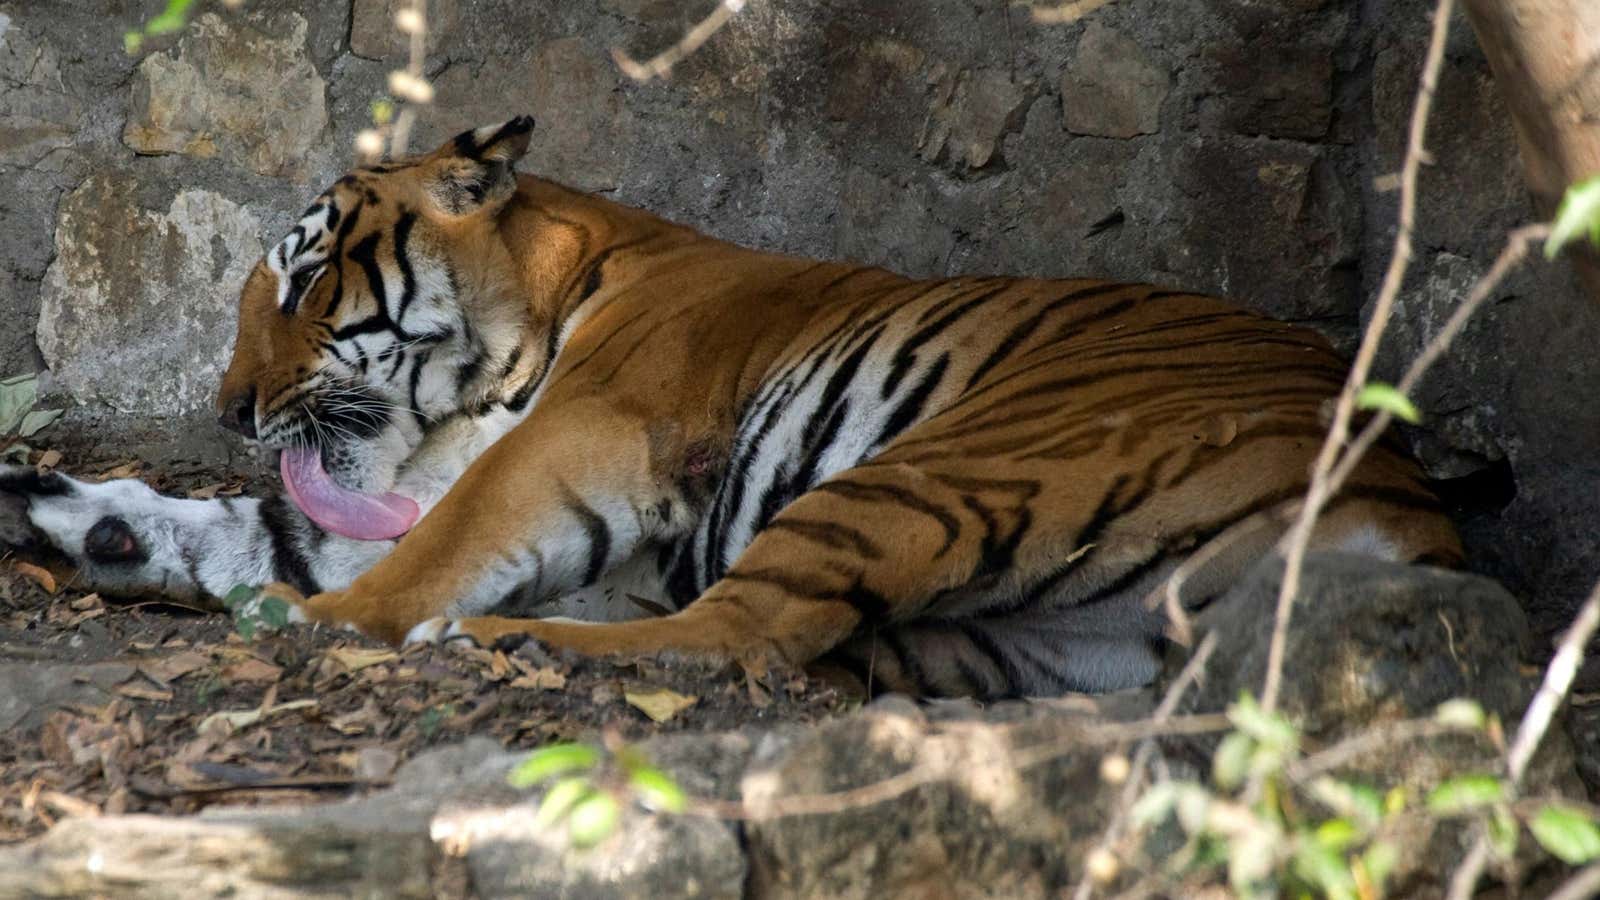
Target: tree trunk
(1546, 60)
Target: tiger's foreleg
(547, 510)
(875, 543)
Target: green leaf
(1354, 801)
(1465, 793)
(1387, 398)
(1379, 860)
(556, 759)
(1394, 802)
(1567, 834)
(173, 18)
(132, 41)
(1325, 868)
(273, 612)
(1578, 215)
(1503, 832)
(657, 789)
(17, 395)
(246, 626)
(1231, 764)
(561, 798)
(1269, 729)
(593, 820)
(237, 595)
(1459, 713)
(1337, 834)
(1155, 804)
(37, 420)
(382, 111)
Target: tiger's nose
(239, 414)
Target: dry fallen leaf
(357, 658)
(545, 679)
(68, 806)
(252, 669)
(659, 704)
(140, 692)
(87, 601)
(38, 574)
(173, 666)
(233, 720)
(85, 616)
(48, 460)
(367, 718)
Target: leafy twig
(1192, 671)
(1535, 722)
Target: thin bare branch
(1169, 594)
(1366, 742)
(660, 65)
(400, 137)
(1535, 722)
(1317, 495)
(1581, 886)
(1077, 737)
(1192, 670)
(1066, 12)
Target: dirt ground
(161, 708)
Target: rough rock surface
(138, 309)
(1210, 144)
(244, 89)
(1373, 642)
(1110, 88)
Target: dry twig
(660, 65)
(1192, 672)
(1066, 12)
(1319, 492)
(1583, 885)
(418, 30)
(1078, 737)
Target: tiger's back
(1084, 437)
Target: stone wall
(1223, 145)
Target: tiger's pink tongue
(365, 517)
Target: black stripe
(833, 535)
(289, 564)
(909, 666)
(905, 355)
(595, 529)
(408, 281)
(420, 360)
(910, 408)
(869, 493)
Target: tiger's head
(392, 304)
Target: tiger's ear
(473, 170)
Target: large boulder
(244, 89)
(138, 308)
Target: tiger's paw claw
(438, 630)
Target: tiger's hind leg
(876, 545)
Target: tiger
(509, 411)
